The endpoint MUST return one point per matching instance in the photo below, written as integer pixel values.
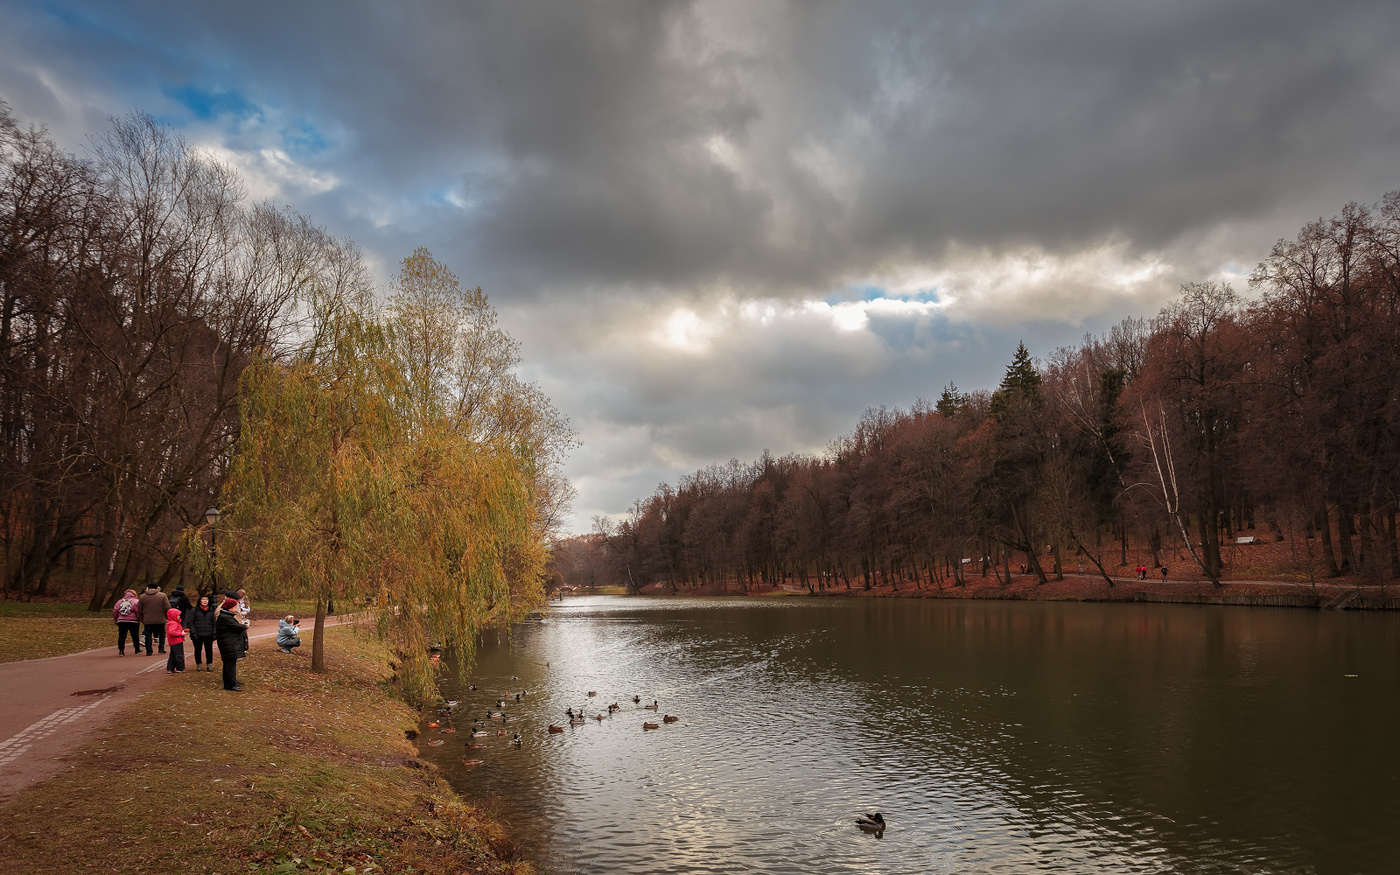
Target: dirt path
(48, 707)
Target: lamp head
(211, 516)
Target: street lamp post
(211, 516)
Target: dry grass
(302, 772)
(33, 637)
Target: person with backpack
(154, 604)
(127, 615)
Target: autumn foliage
(1274, 416)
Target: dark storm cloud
(583, 136)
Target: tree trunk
(318, 637)
(1324, 529)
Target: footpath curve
(49, 707)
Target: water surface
(994, 736)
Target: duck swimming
(516, 740)
(553, 728)
(652, 707)
(636, 700)
(874, 822)
(651, 725)
(669, 719)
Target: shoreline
(1084, 588)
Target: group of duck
(579, 717)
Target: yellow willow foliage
(348, 483)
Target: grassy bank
(37, 637)
(302, 772)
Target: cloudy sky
(723, 227)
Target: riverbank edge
(1074, 588)
(302, 772)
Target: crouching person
(288, 633)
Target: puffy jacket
(154, 604)
(174, 629)
(201, 622)
(127, 609)
(286, 633)
(180, 602)
(229, 632)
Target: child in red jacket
(175, 638)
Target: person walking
(127, 614)
(175, 637)
(1164, 574)
(201, 626)
(154, 604)
(230, 632)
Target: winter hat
(230, 594)
(179, 587)
(229, 604)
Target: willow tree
(355, 478)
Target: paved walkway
(49, 707)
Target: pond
(992, 736)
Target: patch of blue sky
(303, 140)
(210, 103)
(875, 293)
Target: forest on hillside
(1274, 414)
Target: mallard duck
(453, 703)
(480, 733)
(516, 740)
(577, 721)
(652, 707)
(435, 742)
(651, 725)
(874, 821)
(669, 719)
(476, 745)
(471, 764)
(636, 700)
(553, 728)
(598, 717)
(569, 711)
(592, 692)
(500, 703)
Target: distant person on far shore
(154, 604)
(127, 614)
(201, 625)
(1164, 574)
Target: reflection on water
(993, 736)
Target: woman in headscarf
(229, 632)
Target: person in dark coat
(201, 624)
(181, 602)
(153, 605)
(229, 631)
